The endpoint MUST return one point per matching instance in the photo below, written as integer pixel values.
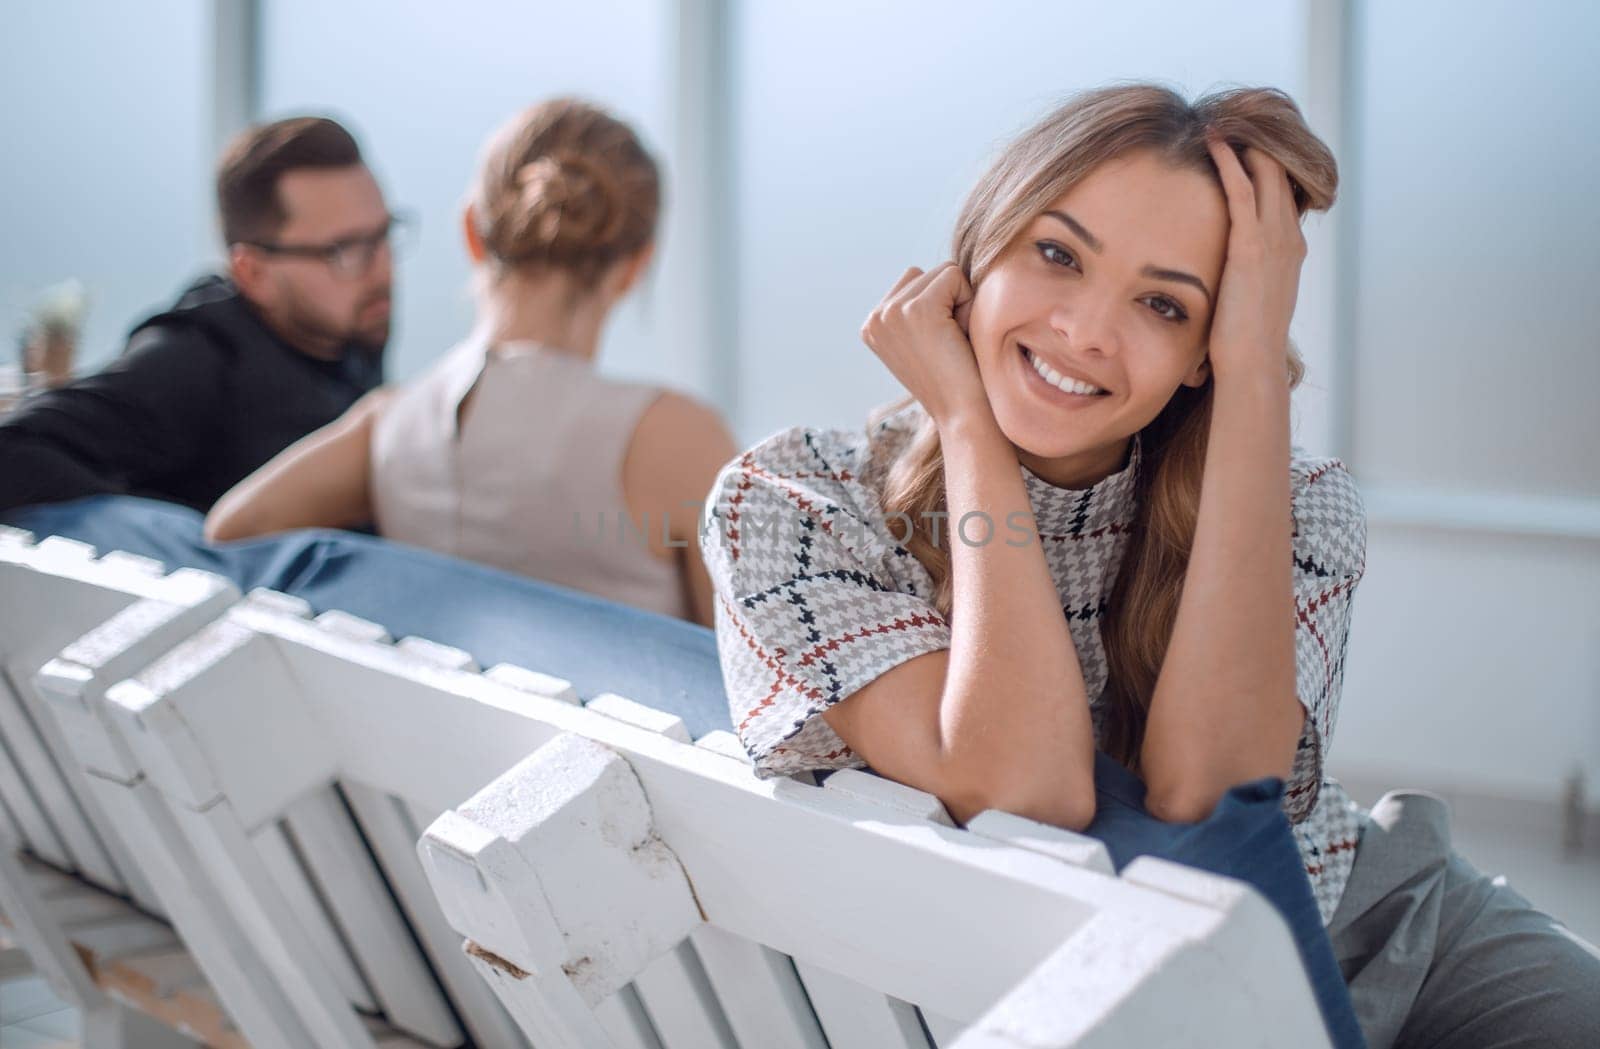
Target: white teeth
(1059, 381)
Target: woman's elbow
(1177, 806)
(1069, 805)
(1073, 810)
(224, 524)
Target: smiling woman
(1107, 355)
(1057, 278)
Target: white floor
(1568, 887)
(31, 1016)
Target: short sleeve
(809, 606)
(1330, 548)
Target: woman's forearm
(319, 481)
(1224, 708)
(1014, 715)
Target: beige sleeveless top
(531, 479)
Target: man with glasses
(242, 365)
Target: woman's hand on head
(919, 331)
(1261, 276)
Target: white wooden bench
(339, 916)
(99, 937)
(615, 882)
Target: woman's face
(1090, 320)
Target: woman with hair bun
(1085, 529)
(512, 450)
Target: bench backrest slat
(47, 795)
(151, 614)
(392, 831)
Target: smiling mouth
(1064, 383)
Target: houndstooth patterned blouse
(815, 599)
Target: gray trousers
(1438, 954)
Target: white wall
(1474, 663)
(1478, 327)
(1475, 653)
(107, 170)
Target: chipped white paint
(557, 842)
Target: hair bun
(565, 185)
(567, 204)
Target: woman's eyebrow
(1149, 271)
(1077, 227)
(1179, 276)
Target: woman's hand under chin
(919, 331)
(1261, 277)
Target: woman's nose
(1087, 325)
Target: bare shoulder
(678, 445)
(370, 405)
(675, 414)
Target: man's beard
(312, 330)
(375, 334)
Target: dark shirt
(202, 395)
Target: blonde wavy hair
(1034, 171)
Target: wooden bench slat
(109, 941)
(857, 1017)
(681, 1004)
(56, 825)
(44, 788)
(291, 879)
(193, 902)
(759, 990)
(164, 972)
(386, 822)
(407, 993)
(944, 1030)
(624, 1018)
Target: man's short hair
(248, 174)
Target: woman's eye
(1056, 254)
(1167, 309)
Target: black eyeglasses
(351, 256)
